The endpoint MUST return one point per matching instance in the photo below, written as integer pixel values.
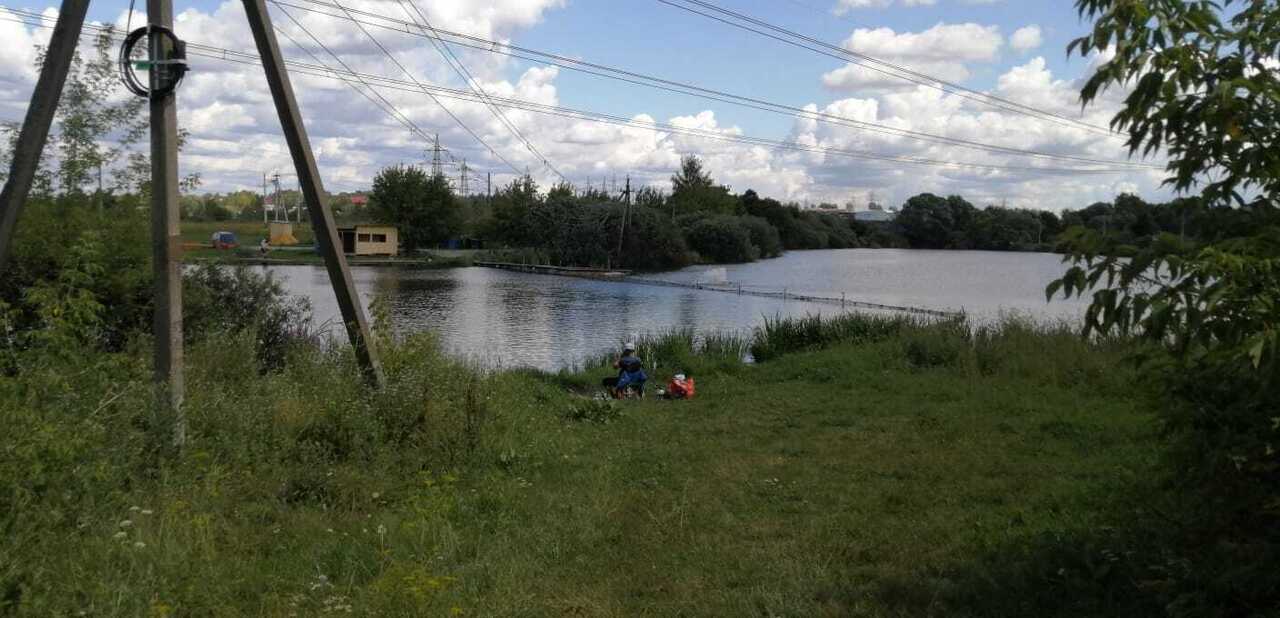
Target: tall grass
(679, 350)
(778, 335)
(1014, 345)
(90, 487)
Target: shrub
(594, 411)
(722, 239)
(934, 347)
(219, 300)
(764, 236)
(652, 242)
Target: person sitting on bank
(264, 246)
(631, 373)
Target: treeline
(246, 205)
(698, 221)
(701, 221)
(928, 221)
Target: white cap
(630, 345)
(680, 376)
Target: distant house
(359, 200)
(370, 240)
(873, 216)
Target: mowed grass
(840, 482)
(860, 479)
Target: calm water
(510, 319)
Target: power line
(446, 109)
(215, 53)
(456, 63)
(669, 128)
(378, 102)
(688, 89)
(391, 108)
(891, 69)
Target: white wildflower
(126, 523)
(139, 544)
(120, 535)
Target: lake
(506, 319)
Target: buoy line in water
(843, 301)
(622, 276)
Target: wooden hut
(367, 239)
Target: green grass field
(248, 232)
(857, 479)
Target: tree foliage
(1204, 91)
(693, 190)
(422, 206)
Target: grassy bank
(248, 232)
(898, 473)
(307, 256)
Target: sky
(1013, 49)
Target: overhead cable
(688, 89)
(457, 65)
(427, 92)
(795, 39)
(216, 53)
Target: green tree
(693, 189)
(722, 239)
(926, 221)
(422, 206)
(1203, 91)
(512, 206)
(89, 112)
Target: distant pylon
(462, 179)
(437, 167)
(275, 202)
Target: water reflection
(506, 319)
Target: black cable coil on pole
(171, 68)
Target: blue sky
(968, 41)
(654, 38)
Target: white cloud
(1026, 38)
(942, 51)
(235, 135)
(844, 6)
(959, 42)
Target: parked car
(224, 240)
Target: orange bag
(681, 389)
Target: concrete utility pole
(462, 179)
(35, 126)
(304, 162)
(166, 241)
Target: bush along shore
(865, 465)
